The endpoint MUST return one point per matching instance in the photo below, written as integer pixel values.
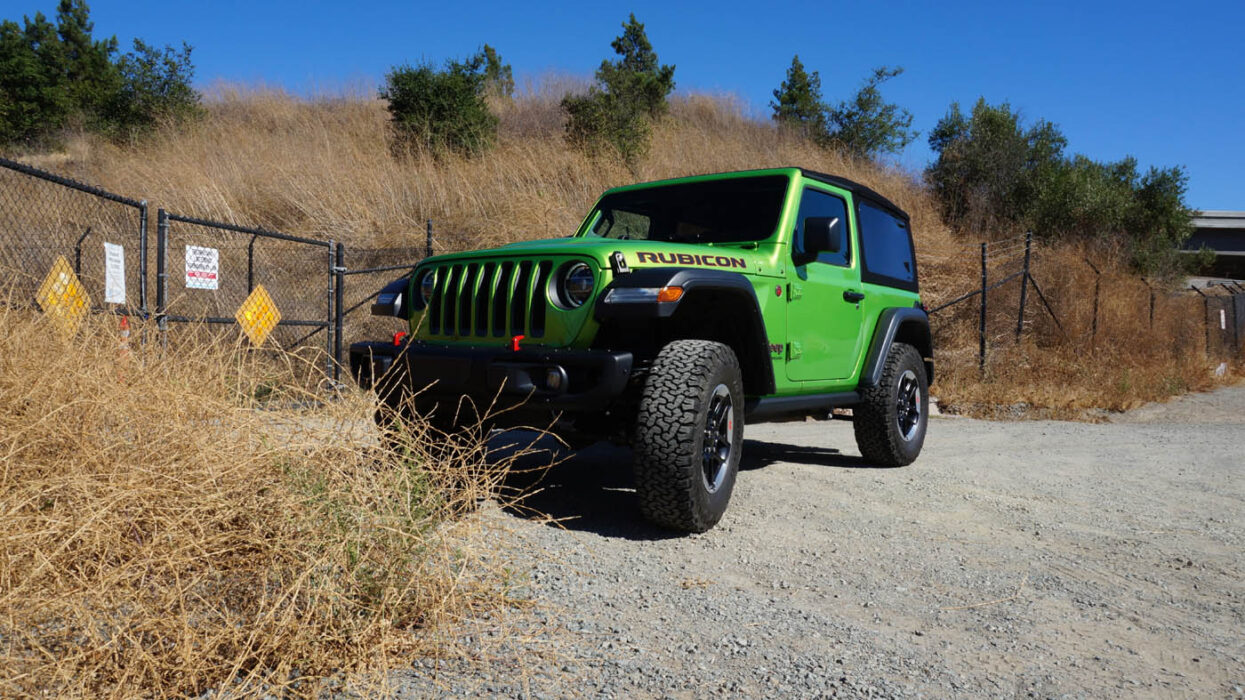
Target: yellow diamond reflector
(258, 315)
(63, 298)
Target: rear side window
(886, 248)
(815, 203)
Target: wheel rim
(718, 440)
(908, 405)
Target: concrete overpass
(1224, 233)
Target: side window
(815, 203)
(886, 248)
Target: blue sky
(1159, 81)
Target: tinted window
(816, 203)
(718, 211)
(887, 247)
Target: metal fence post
(981, 345)
(162, 275)
(1146, 282)
(142, 258)
(330, 295)
(428, 241)
(339, 317)
(1093, 328)
(1024, 285)
(1205, 315)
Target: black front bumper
(559, 380)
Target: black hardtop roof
(854, 187)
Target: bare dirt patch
(1031, 558)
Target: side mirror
(821, 235)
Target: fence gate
(222, 274)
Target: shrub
(441, 110)
(629, 95)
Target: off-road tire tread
(667, 423)
(877, 436)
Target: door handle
(853, 297)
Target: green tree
(155, 86)
(869, 126)
(34, 97)
(92, 78)
(797, 103)
(441, 110)
(498, 77)
(630, 93)
(53, 75)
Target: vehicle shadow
(759, 454)
(591, 489)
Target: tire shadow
(585, 490)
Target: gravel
(1027, 559)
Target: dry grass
(322, 167)
(181, 522)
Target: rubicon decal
(689, 259)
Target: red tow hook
(514, 343)
(397, 338)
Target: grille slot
(518, 306)
(501, 294)
(466, 302)
(451, 300)
(434, 305)
(482, 298)
(540, 299)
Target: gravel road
(1025, 559)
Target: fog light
(553, 378)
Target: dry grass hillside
(323, 167)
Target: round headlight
(577, 284)
(427, 284)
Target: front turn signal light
(670, 294)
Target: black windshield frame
(725, 210)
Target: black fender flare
(694, 282)
(907, 324)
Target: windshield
(734, 210)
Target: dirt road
(1029, 559)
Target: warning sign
(258, 315)
(114, 274)
(62, 297)
(202, 267)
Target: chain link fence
(44, 217)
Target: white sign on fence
(114, 274)
(202, 268)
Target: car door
(824, 297)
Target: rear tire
(891, 419)
(688, 435)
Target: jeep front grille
(492, 299)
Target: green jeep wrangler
(679, 310)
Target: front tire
(689, 434)
(891, 419)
